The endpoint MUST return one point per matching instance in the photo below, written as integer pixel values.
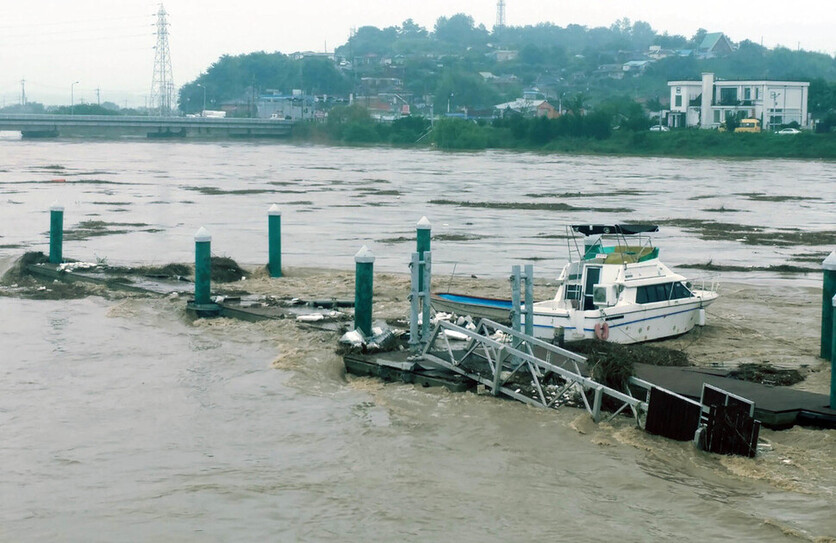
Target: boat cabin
(616, 263)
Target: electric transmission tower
(500, 14)
(162, 84)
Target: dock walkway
(776, 407)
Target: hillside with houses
(462, 70)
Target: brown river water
(121, 419)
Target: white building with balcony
(709, 102)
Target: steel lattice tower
(162, 84)
(500, 14)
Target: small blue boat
(495, 309)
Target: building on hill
(504, 55)
(656, 52)
(370, 86)
(528, 107)
(296, 106)
(715, 44)
(299, 55)
(635, 67)
(709, 102)
(612, 71)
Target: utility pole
(98, 97)
(72, 98)
(23, 92)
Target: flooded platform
(775, 406)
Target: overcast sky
(108, 44)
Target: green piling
(56, 233)
(363, 290)
(827, 320)
(423, 236)
(833, 350)
(202, 266)
(274, 235)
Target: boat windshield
(612, 244)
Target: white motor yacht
(616, 289)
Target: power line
(39, 34)
(41, 24)
(39, 40)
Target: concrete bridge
(114, 126)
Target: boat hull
(624, 324)
(630, 324)
(478, 307)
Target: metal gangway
(519, 366)
(509, 361)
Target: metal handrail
(499, 354)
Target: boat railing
(706, 281)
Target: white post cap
(274, 210)
(364, 255)
(830, 262)
(424, 224)
(56, 207)
(202, 235)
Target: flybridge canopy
(625, 229)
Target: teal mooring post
(56, 233)
(274, 235)
(363, 290)
(202, 266)
(833, 350)
(423, 236)
(828, 291)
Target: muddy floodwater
(122, 419)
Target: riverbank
(538, 135)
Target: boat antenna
(451, 276)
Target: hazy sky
(108, 44)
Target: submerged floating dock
(234, 307)
(456, 368)
(776, 407)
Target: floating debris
(75, 266)
(226, 270)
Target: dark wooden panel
(671, 416)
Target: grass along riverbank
(586, 136)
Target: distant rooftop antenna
(162, 84)
(500, 14)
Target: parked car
(659, 128)
(789, 131)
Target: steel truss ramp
(504, 360)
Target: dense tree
(409, 29)
(28, 107)
(697, 38)
(320, 76)
(464, 90)
(822, 97)
(671, 42)
(370, 40)
(459, 30)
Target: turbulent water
(122, 420)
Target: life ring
(602, 331)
